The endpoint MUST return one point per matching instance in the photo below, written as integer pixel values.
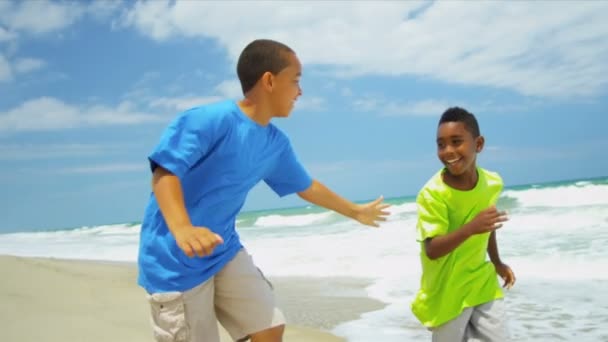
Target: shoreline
(50, 299)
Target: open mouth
(452, 161)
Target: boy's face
(456, 148)
(286, 87)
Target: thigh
(454, 330)
(488, 323)
(244, 299)
(200, 313)
(184, 316)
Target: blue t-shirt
(219, 154)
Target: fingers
(508, 277)
(201, 243)
(491, 209)
(374, 212)
(218, 239)
(501, 219)
(187, 249)
(511, 279)
(198, 247)
(378, 200)
(383, 206)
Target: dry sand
(53, 300)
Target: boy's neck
(256, 109)
(464, 182)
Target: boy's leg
(488, 323)
(185, 317)
(454, 330)
(200, 313)
(244, 302)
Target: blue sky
(86, 88)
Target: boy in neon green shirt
(460, 297)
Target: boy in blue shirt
(191, 261)
(459, 297)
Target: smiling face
(457, 149)
(285, 87)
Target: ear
(479, 142)
(267, 81)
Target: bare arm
(167, 189)
(493, 249)
(444, 244)
(169, 195)
(503, 270)
(486, 221)
(367, 214)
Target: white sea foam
(575, 195)
(555, 241)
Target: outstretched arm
(503, 270)
(369, 213)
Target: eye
(457, 142)
(440, 145)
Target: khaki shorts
(239, 297)
(482, 323)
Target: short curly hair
(457, 114)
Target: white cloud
(384, 107)
(45, 16)
(27, 151)
(40, 16)
(102, 9)
(507, 154)
(388, 165)
(176, 104)
(535, 48)
(310, 103)
(24, 65)
(346, 92)
(142, 94)
(106, 168)
(230, 89)
(432, 107)
(47, 114)
(6, 73)
(5, 35)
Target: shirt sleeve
(183, 143)
(288, 176)
(432, 217)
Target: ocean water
(556, 242)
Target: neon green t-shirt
(464, 277)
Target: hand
(505, 272)
(370, 213)
(486, 221)
(197, 240)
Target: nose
(448, 151)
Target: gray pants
(482, 323)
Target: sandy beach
(63, 300)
